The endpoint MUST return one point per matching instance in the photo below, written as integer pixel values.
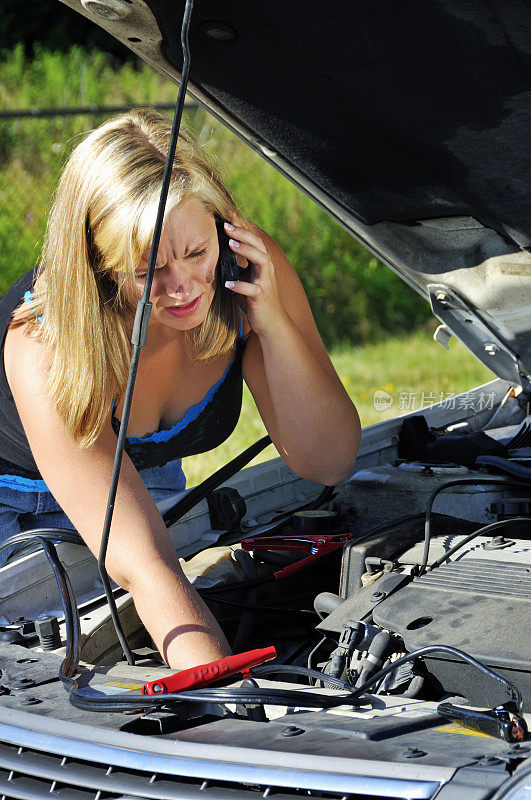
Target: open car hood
(407, 122)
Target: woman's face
(184, 281)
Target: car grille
(32, 774)
(42, 756)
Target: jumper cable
(316, 545)
(204, 674)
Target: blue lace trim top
(193, 412)
(204, 426)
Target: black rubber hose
(46, 537)
(414, 688)
(73, 633)
(512, 691)
(68, 601)
(337, 663)
(325, 603)
(377, 649)
(457, 482)
(486, 529)
(55, 534)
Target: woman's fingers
(245, 235)
(258, 294)
(244, 287)
(251, 253)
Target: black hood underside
(398, 110)
(407, 121)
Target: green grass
(410, 368)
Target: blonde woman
(66, 334)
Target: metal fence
(70, 111)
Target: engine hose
(377, 650)
(337, 663)
(350, 635)
(512, 691)
(38, 534)
(325, 603)
(414, 687)
(73, 632)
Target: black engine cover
(480, 606)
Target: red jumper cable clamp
(208, 673)
(316, 545)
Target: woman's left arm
(307, 412)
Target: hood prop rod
(138, 338)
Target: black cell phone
(227, 264)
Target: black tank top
(204, 426)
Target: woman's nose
(178, 281)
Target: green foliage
(353, 297)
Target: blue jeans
(25, 510)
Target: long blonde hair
(101, 222)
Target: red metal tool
(208, 673)
(316, 545)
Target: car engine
(377, 600)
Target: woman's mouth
(184, 311)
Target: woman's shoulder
(26, 360)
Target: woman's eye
(198, 253)
(141, 275)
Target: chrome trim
(221, 762)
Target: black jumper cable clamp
(503, 722)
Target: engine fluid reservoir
(382, 494)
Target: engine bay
(376, 587)
(376, 604)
